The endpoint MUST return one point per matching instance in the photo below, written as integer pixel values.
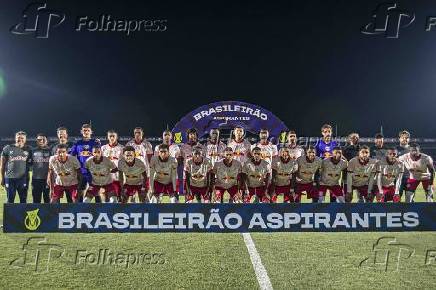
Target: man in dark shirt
(14, 167)
(40, 159)
(378, 150)
(353, 147)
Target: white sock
(173, 199)
(321, 199)
(409, 196)
(113, 199)
(87, 199)
(153, 199)
(340, 199)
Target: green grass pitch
(216, 261)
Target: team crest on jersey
(178, 137)
(86, 147)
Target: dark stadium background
(306, 61)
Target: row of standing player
(205, 181)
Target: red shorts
(412, 184)
(309, 188)
(388, 193)
(362, 190)
(219, 192)
(131, 190)
(285, 189)
(163, 188)
(58, 191)
(197, 191)
(335, 190)
(94, 190)
(117, 188)
(278, 190)
(258, 191)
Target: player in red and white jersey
(163, 175)
(268, 150)
(174, 149)
(64, 174)
(421, 169)
(333, 171)
(133, 176)
(389, 175)
(227, 177)
(198, 172)
(186, 148)
(361, 171)
(143, 148)
(283, 169)
(240, 146)
(256, 174)
(101, 169)
(307, 177)
(214, 147)
(295, 150)
(114, 151)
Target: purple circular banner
(227, 115)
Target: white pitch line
(259, 269)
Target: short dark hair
(326, 126)
(256, 149)
(62, 129)
(21, 133)
(404, 132)
(337, 148)
(96, 146)
(128, 149)
(379, 136)
(62, 146)
(41, 135)
(310, 147)
(112, 131)
(363, 147)
(415, 145)
(86, 126)
(138, 128)
(164, 147)
(192, 130)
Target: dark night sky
(305, 61)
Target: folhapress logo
(387, 20)
(38, 20)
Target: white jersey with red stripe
(361, 172)
(331, 172)
(227, 176)
(284, 170)
(389, 172)
(306, 169)
(295, 151)
(142, 149)
(268, 151)
(418, 168)
(174, 150)
(198, 172)
(256, 172)
(215, 151)
(241, 150)
(114, 153)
